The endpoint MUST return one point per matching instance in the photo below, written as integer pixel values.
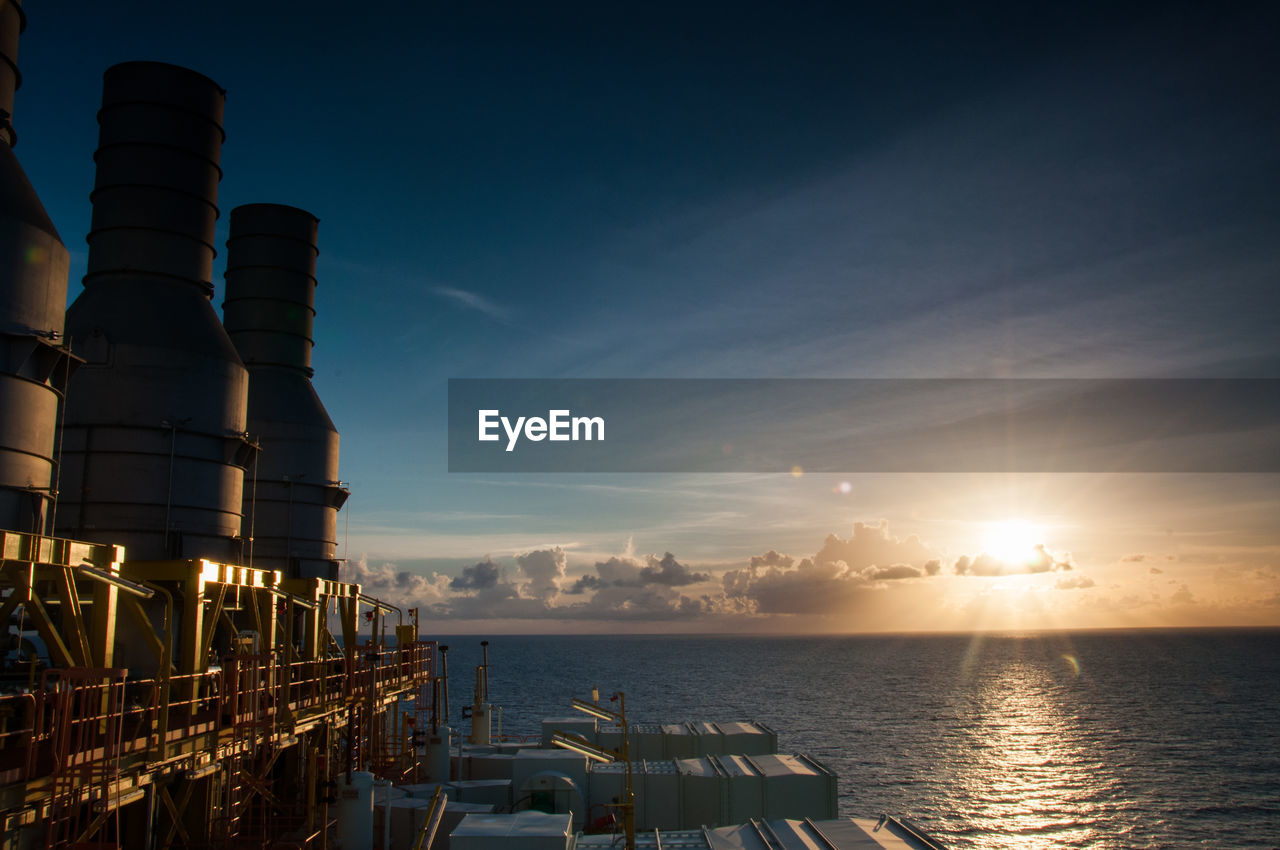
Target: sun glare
(1012, 541)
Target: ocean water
(1136, 739)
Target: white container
(453, 815)
(485, 766)
(659, 788)
(748, 739)
(425, 790)
(517, 831)
(656, 785)
(709, 739)
(701, 793)
(382, 792)
(796, 787)
(407, 815)
(528, 763)
(553, 791)
(743, 790)
(678, 742)
(435, 753)
(647, 742)
(496, 792)
(355, 811)
(609, 736)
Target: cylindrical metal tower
(33, 297)
(291, 503)
(154, 445)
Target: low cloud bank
(845, 575)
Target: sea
(1107, 739)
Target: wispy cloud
(473, 301)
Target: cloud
(1041, 561)
(843, 573)
(586, 583)
(871, 545)
(472, 301)
(629, 589)
(480, 576)
(1076, 582)
(1133, 559)
(399, 587)
(670, 572)
(620, 572)
(628, 602)
(628, 572)
(772, 559)
(649, 588)
(809, 588)
(893, 573)
(824, 589)
(544, 569)
(1156, 571)
(1182, 596)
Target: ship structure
(182, 666)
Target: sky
(714, 190)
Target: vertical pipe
(156, 354)
(444, 680)
(269, 313)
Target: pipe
(151, 808)
(253, 505)
(444, 682)
(292, 597)
(435, 705)
(155, 350)
(269, 314)
(127, 586)
(269, 310)
(166, 667)
(155, 196)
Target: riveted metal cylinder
(33, 297)
(154, 444)
(292, 503)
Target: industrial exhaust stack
(154, 444)
(33, 297)
(291, 505)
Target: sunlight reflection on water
(1147, 740)
(1022, 767)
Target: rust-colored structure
(157, 688)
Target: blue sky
(737, 190)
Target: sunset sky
(737, 191)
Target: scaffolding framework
(199, 704)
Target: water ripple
(1161, 739)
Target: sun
(1012, 540)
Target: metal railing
(80, 717)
